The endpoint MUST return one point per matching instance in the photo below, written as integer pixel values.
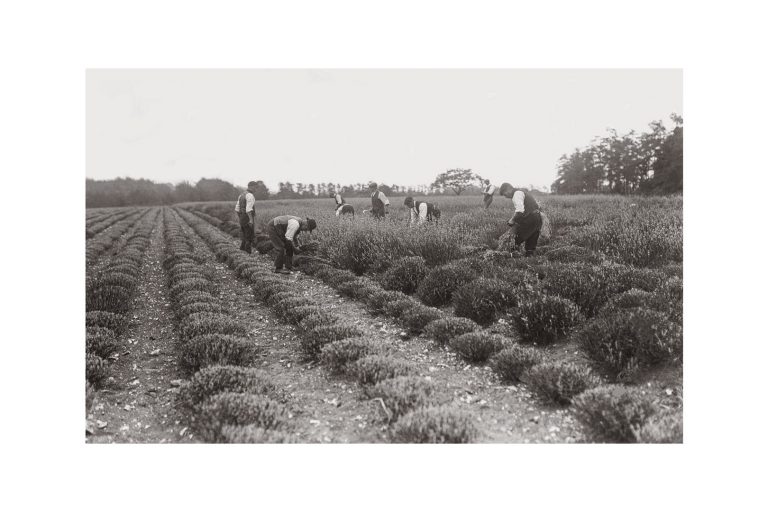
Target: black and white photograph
(384, 256)
(406, 255)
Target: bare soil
(136, 406)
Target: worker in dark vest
(526, 222)
(422, 211)
(247, 216)
(379, 202)
(283, 231)
(342, 207)
(488, 191)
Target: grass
(444, 329)
(615, 413)
(511, 363)
(478, 346)
(436, 424)
(401, 395)
(219, 379)
(559, 382)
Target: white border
(48, 45)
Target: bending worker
(283, 232)
(422, 211)
(245, 213)
(526, 223)
(341, 205)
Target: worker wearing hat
(283, 232)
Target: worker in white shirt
(488, 191)
(244, 207)
(526, 222)
(378, 201)
(283, 232)
(422, 211)
(341, 205)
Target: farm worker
(488, 193)
(526, 223)
(378, 201)
(283, 232)
(341, 205)
(422, 211)
(245, 212)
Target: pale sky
(350, 126)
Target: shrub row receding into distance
(338, 344)
(228, 401)
(101, 222)
(100, 243)
(108, 297)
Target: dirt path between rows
(137, 404)
(503, 413)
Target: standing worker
(422, 211)
(488, 193)
(283, 232)
(526, 223)
(245, 213)
(378, 201)
(341, 205)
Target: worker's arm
(293, 228)
(383, 198)
(518, 201)
(422, 212)
(250, 204)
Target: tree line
(630, 163)
(143, 192)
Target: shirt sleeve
(518, 199)
(250, 202)
(383, 198)
(293, 227)
(423, 211)
(491, 189)
(237, 205)
(413, 215)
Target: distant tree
(286, 191)
(668, 165)
(261, 191)
(215, 190)
(184, 192)
(456, 179)
(650, 162)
